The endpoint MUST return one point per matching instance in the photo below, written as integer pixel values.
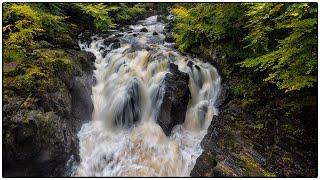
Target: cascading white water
(126, 79)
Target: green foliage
(125, 13)
(206, 24)
(100, 13)
(283, 41)
(33, 74)
(32, 30)
(23, 23)
(243, 88)
(106, 14)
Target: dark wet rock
(111, 47)
(175, 99)
(42, 139)
(86, 36)
(112, 39)
(144, 30)
(223, 95)
(81, 106)
(246, 146)
(190, 64)
(115, 45)
(119, 35)
(169, 26)
(162, 18)
(197, 67)
(91, 58)
(94, 80)
(169, 38)
(42, 129)
(12, 105)
(172, 58)
(207, 166)
(209, 140)
(154, 33)
(132, 106)
(227, 153)
(195, 50)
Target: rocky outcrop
(227, 153)
(223, 95)
(41, 128)
(244, 144)
(175, 99)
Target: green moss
(56, 60)
(290, 129)
(32, 80)
(38, 73)
(245, 103)
(225, 170)
(253, 168)
(46, 124)
(287, 159)
(29, 102)
(258, 126)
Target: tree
(283, 42)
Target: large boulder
(175, 99)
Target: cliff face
(41, 116)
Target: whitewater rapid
(114, 143)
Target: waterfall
(123, 138)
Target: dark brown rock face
(175, 100)
(208, 162)
(40, 131)
(237, 144)
(227, 153)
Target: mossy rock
(252, 168)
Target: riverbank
(46, 90)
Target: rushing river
(135, 70)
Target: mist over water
(123, 138)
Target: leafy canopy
(107, 14)
(205, 23)
(283, 42)
(23, 23)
